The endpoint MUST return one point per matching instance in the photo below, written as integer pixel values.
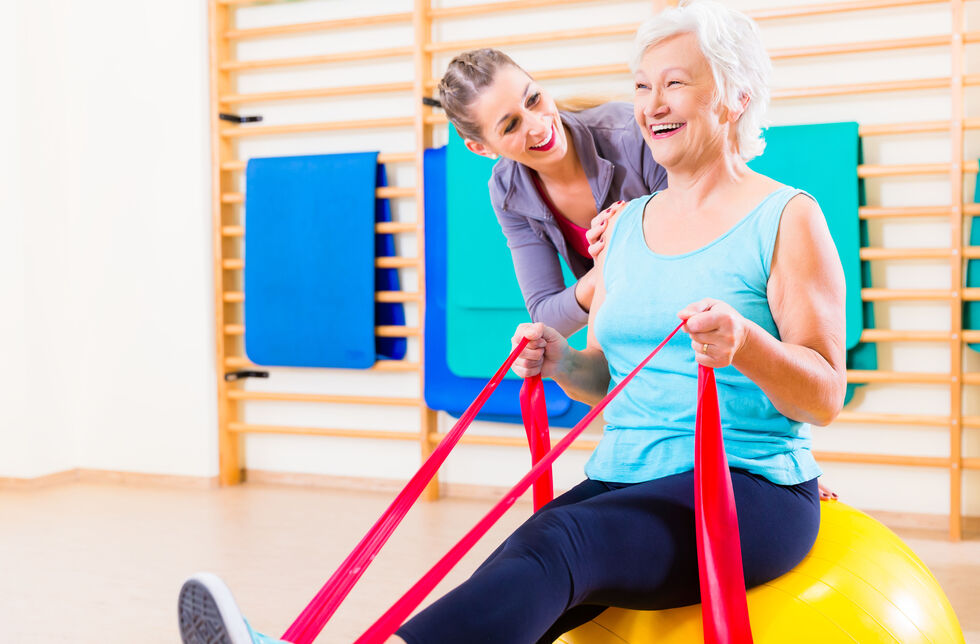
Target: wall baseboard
(84, 475)
(895, 520)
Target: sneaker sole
(202, 607)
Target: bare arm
(803, 374)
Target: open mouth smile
(663, 130)
(548, 143)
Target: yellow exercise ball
(859, 584)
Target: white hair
(739, 63)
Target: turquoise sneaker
(208, 614)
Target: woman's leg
(632, 547)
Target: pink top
(572, 232)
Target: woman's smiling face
(674, 103)
(518, 121)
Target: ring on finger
(704, 348)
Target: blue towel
(443, 389)
(309, 269)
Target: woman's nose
(655, 106)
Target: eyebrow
(508, 114)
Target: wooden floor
(87, 563)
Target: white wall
(113, 345)
(105, 259)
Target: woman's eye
(673, 82)
(510, 126)
(640, 86)
(533, 99)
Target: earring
(492, 156)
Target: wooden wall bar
(426, 123)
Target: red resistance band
(724, 608)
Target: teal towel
(971, 310)
(483, 299)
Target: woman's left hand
(717, 331)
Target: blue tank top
(650, 425)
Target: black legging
(613, 544)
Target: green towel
(483, 296)
(971, 310)
(822, 159)
(483, 299)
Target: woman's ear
(743, 103)
(478, 148)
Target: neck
(695, 185)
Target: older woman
(750, 267)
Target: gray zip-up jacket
(618, 164)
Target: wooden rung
(379, 296)
(894, 294)
(862, 88)
(890, 129)
(232, 197)
(972, 209)
(971, 463)
(866, 171)
(971, 294)
(327, 59)
(516, 441)
(502, 42)
(880, 212)
(969, 336)
(323, 92)
(395, 365)
(437, 13)
(395, 192)
(888, 335)
(245, 428)
(392, 227)
(971, 252)
(396, 296)
(275, 396)
(907, 377)
(396, 331)
(396, 157)
(234, 264)
(973, 422)
(396, 262)
(241, 362)
(905, 253)
(383, 331)
(323, 25)
(892, 419)
(971, 378)
(859, 47)
(881, 459)
(330, 126)
(565, 72)
(380, 228)
(779, 13)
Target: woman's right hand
(545, 350)
(597, 231)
